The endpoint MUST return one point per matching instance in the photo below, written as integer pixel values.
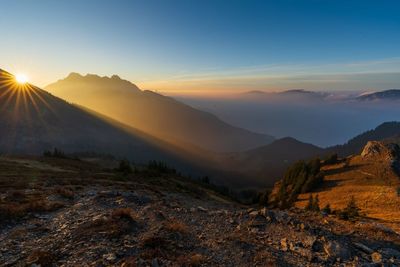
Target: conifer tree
(310, 203)
(315, 205)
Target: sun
(21, 78)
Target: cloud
(378, 74)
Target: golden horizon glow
(21, 78)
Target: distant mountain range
(288, 95)
(392, 94)
(155, 114)
(301, 94)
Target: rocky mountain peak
(376, 149)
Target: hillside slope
(371, 177)
(155, 114)
(265, 165)
(75, 213)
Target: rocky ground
(90, 218)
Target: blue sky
(206, 46)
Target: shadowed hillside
(155, 114)
(356, 144)
(266, 164)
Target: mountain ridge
(155, 114)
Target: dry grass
(121, 221)
(16, 210)
(192, 260)
(64, 192)
(124, 213)
(196, 260)
(176, 226)
(372, 183)
(154, 241)
(42, 258)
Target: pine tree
(310, 203)
(315, 205)
(125, 167)
(351, 211)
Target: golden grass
(176, 226)
(372, 183)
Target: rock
(258, 222)
(110, 257)
(385, 229)
(254, 213)
(284, 244)
(282, 217)
(376, 257)
(389, 252)
(363, 248)
(317, 246)
(250, 210)
(374, 149)
(264, 212)
(335, 250)
(304, 252)
(200, 208)
(308, 241)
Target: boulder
(334, 249)
(376, 257)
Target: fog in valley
(322, 119)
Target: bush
(123, 213)
(205, 180)
(313, 203)
(310, 203)
(66, 193)
(332, 159)
(55, 154)
(125, 167)
(312, 183)
(351, 211)
(263, 197)
(327, 209)
(160, 167)
(177, 226)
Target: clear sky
(207, 45)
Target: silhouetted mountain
(356, 144)
(155, 114)
(32, 120)
(392, 94)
